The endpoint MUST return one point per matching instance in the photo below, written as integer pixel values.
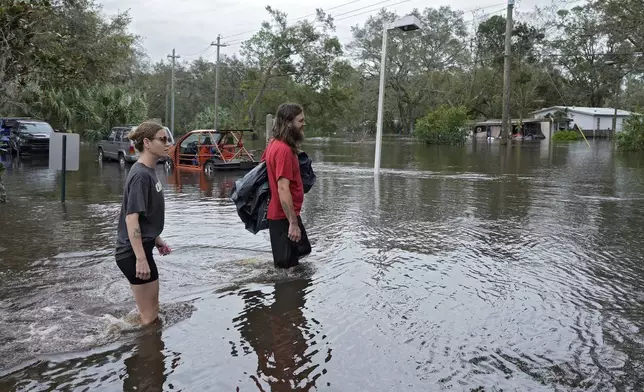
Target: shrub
(566, 136)
(632, 136)
(445, 125)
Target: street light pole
(507, 64)
(407, 23)
(381, 101)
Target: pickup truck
(118, 147)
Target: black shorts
(128, 266)
(286, 253)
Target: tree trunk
(262, 88)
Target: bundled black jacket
(251, 193)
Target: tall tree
(413, 57)
(302, 51)
(490, 42)
(623, 19)
(582, 51)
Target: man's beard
(298, 135)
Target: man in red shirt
(288, 237)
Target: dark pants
(286, 253)
(128, 265)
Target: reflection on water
(145, 369)
(279, 334)
(474, 268)
(142, 363)
(218, 186)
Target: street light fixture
(407, 23)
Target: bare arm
(134, 233)
(286, 200)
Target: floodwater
(463, 269)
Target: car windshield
(34, 128)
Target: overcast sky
(190, 26)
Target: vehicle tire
(209, 168)
(101, 157)
(122, 160)
(167, 165)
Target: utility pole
(167, 101)
(173, 57)
(507, 122)
(617, 91)
(219, 45)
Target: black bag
(306, 171)
(251, 195)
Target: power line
(239, 41)
(296, 19)
(372, 5)
(534, 49)
(198, 53)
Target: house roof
(586, 110)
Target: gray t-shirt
(143, 193)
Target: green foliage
(490, 41)
(302, 52)
(419, 64)
(90, 111)
(445, 125)
(58, 43)
(206, 120)
(63, 61)
(623, 19)
(566, 136)
(632, 136)
(82, 48)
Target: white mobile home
(588, 119)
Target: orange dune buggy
(211, 150)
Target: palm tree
(92, 111)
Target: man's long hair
(282, 129)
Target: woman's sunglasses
(164, 139)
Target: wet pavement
(474, 269)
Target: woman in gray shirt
(141, 220)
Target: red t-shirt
(282, 162)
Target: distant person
(142, 219)
(288, 237)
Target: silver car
(118, 147)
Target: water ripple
(475, 270)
